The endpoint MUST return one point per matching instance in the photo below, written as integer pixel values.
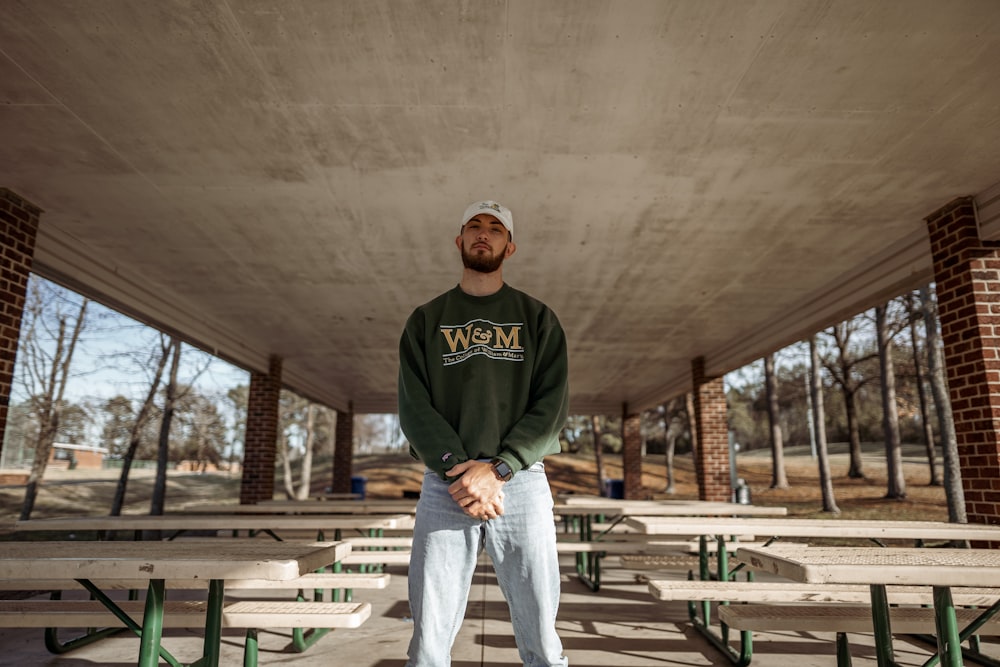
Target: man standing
(482, 398)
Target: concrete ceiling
(688, 179)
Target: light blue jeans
(522, 545)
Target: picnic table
(584, 511)
(89, 561)
(724, 528)
(941, 568)
(181, 523)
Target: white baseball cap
(496, 209)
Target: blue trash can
(614, 488)
(358, 485)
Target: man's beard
(481, 262)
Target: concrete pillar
(343, 450)
(632, 454)
(967, 276)
(261, 440)
(18, 228)
(712, 461)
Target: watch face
(503, 470)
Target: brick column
(632, 454)
(18, 229)
(343, 450)
(261, 441)
(967, 274)
(712, 461)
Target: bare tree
(170, 396)
(300, 421)
(673, 429)
(896, 482)
(946, 424)
(141, 418)
(692, 427)
(47, 374)
(301, 492)
(597, 431)
(779, 479)
(307, 455)
(819, 428)
(928, 432)
(844, 371)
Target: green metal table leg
(303, 639)
(57, 647)
(250, 649)
(130, 624)
(722, 571)
(213, 623)
(843, 650)
(881, 626)
(946, 624)
(588, 564)
(152, 625)
(704, 575)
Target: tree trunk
(819, 428)
(779, 479)
(595, 429)
(671, 446)
(158, 500)
(692, 426)
(307, 456)
(43, 450)
(849, 390)
(136, 432)
(855, 468)
(946, 424)
(55, 389)
(935, 476)
(286, 467)
(896, 483)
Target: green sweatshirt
(482, 377)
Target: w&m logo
(482, 337)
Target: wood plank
(188, 614)
(763, 592)
(313, 580)
(839, 618)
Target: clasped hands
(478, 491)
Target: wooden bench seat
(659, 562)
(379, 542)
(843, 609)
(839, 618)
(324, 580)
(185, 614)
(765, 592)
(615, 547)
(309, 621)
(391, 557)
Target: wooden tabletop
(878, 565)
(310, 507)
(224, 559)
(838, 528)
(274, 522)
(662, 508)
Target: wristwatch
(502, 470)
